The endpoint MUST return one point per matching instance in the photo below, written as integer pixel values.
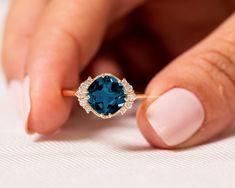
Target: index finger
(68, 36)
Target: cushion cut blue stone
(106, 95)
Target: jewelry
(105, 95)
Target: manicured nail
(20, 94)
(26, 103)
(176, 116)
(15, 90)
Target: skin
(68, 40)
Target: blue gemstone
(106, 95)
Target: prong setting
(83, 96)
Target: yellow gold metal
(69, 92)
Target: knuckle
(219, 68)
(218, 64)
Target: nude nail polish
(15, 90)
(19, 91)
(176, 116)
(26, 105)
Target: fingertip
(49, 110)
(173, 118)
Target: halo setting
(105, 95)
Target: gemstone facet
(106, 95)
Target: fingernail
(15, 90)
(26, 103)
(176, 116)
(20, 94)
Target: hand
(55, 42)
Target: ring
(105, 95)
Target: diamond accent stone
(131, 97)
(123, 110)
(128, 104)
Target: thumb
(197, 94)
